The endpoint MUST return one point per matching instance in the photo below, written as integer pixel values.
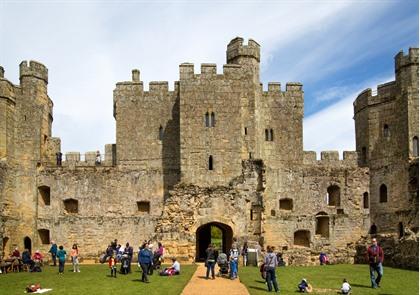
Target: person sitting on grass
(304, 287)
(37, 258)
(112, 262)
(345, 288)
(175, 269)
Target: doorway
(217, 233)
(27, 244)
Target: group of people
(17, 261)
(148, 259)
(58, 252)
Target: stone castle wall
(215, 150)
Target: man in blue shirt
(145, 260)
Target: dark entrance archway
(27, 243)
(203, 238)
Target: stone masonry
(217, 150)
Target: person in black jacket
(210, 261)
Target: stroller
(157, 261)
(223, 264)
(125, 261)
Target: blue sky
(335, 48)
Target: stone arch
(322, 225)
(302, 238)
(71, 206)
(203, 238)
(27, 243)
(334, 197)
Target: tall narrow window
(415, 146)
(266, 135)
(271, 135)
(246, 131)
(364, 155)
(207, 119)
(213, 120)
(161, 133)
(387, 132)
(383, 194)
(211, 163)
(366, 200)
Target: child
(74, 253)
(61, 254)
(304, 287)
(113, 266)
(345, 288)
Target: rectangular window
(143, 206)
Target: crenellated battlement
(402, 60)
(1, 72)
(385, 92)
(330, 158)
(209, 70)
(275, 87)
(33, 69)
(236, 49)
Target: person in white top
(345, 288)
(176, 266)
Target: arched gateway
(203, 238)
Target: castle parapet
(72, 157)
(232, 70)
(330, 158)
(186, 71)
(34, 69)
(158, 87)
(135, 75)
(384, 93)
(236, 49)
(401, 60)
(208, 70)
(1, 72)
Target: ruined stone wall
(107, 206)
(306, 186)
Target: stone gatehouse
(218, 151)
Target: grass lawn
(95, 279)
(327, 279)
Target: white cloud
(88, 47)
(333, 127)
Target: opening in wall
(44, 193)
(143, 206)
(161, 133)
(415, 146)
(71, 206)
(302, 238)
(333, 192)
(383, 194)
(211, 163)
(212, 120)
(400, 230)
(286, 204)
(44, 236)
(207, 119)
(366, 200)
(386, 131)
(322, 225)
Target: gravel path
(221, 285)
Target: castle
(217, 151)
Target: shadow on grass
(361, 286)
(257, 288)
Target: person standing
(129, 251)
(53, 251)
(270, 262)
(61, 254)
(244, 254)
(145, 259)
(210, 261)
(112, 262)
(74, 254)
(375, 257)
(233, 257)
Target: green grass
(94, 279)
(327, 279)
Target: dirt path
(221, 285)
